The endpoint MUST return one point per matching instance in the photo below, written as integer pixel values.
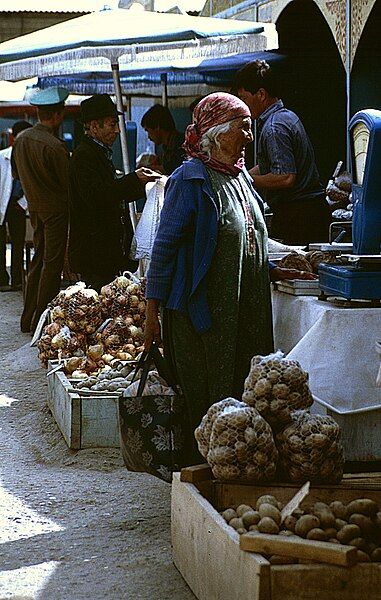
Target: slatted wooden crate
(84, 421)
(206, 550)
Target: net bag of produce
(204, 430)
(310, 449)
(78, 307)
(275, 387)
(241, 445)
(59, 342)
(124, 297)
(121, 337)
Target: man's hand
(146, 175)
(152, 332)
(278, 274)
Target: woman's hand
(278, 274)
(152, 330)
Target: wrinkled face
(253, 101)
(233, 142)
(106, 132)
(154, 134)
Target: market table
(337, 347)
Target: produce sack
(57, 341)
(146, 229)
(241, 444)
(124, 296)
(275, 387)
(310, 449)
(77, 307)
(204, 430)
(153, 425)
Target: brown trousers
(44, 277)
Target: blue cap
(49, 97)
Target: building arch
(316, 89)
(366, 68)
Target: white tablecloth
(336, 346)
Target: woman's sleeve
(176, 215)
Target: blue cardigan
(185, 244)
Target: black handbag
(152, 428)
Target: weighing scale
(360, 277)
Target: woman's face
(232, 143)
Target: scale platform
(358, 279)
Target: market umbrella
(123, 40)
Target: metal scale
(360, 276)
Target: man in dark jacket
(96, 196)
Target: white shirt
(6, 182)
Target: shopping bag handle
(153, 355)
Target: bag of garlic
(153, 420)
(310, 449)
(275, 387)
(241, 445)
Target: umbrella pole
(164, 89)
(123, 133)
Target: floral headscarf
(214, 109)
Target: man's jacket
(95, 207)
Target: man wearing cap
(40, 160)
(96, 195)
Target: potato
(266, 499)
(359, 543)
(365, 524)
(290, 522)
(241, 530)
(348, 533)
(376, 555)
(363, 506)
(253, 528)
(334, 541)
(236, 523)
(298, 512)
(251, 517)
(339, 524)
(316, 534)
(275, 559)
(268, 510)
(330, 532)
(325, 516)
(362, 556)
(305, 524)
(242, 508)
(339, 510)
(268, 525)
(229, 514)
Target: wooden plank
(310, 582)
(230, 495)
(324, 552)
(99, 423)
(66, 409)
(196, 473)
(206, 551)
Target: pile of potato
(310, 448)
(237, 442)
(276, 386)
(355, 524)
(115, 377)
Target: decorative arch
(316, 87)
(366, 68)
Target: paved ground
(73, 525)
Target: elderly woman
(209, 268)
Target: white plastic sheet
(146, 229)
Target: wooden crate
(84, 421)
(206, 550)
